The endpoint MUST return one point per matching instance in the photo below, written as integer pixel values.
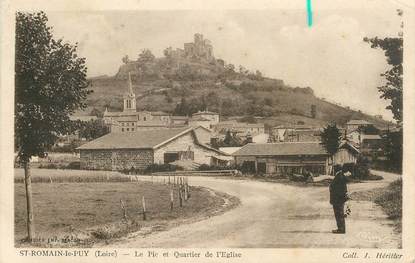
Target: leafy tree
(231, 140)
(230, 68)
(167, 52)
(392, 89)
(96, 112)
(92, 129)
(125, 59)
(50, 84)
(392, 142)
(369, 129)
(146, 56)
(182, 108)
(313, 111)
(330, 139)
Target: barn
(139, 149)
(290, 157)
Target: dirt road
(279, 216)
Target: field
(82, 214)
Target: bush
(362, 168)
(48, 166)
(208, 167)
(162, 168)
(74, 165)
(247, 168)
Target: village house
(241, 128)
(291, 157)
(356, 124)
(296, 133)
(205, 119)
(139, 149)
(371, 143)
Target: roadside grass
(389, 198)
(70, 176)
(82, 214)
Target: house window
(122, 129)
(132, 129)
(145, 118)
(122, 123)
(128, 129)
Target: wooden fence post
(50, 178)
(124, 209)
(171, 200)
(144, 208)
(180, 196)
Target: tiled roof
(159, 113)
(205, 113)
(370, 137)
(146, 139)
(82, 118)
(281, 149)
(199, 118)
(120, 113)
(179, 117)
(358, 122)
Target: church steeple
(129, 97)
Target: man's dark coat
(338, 189)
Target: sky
(330, 56)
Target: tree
(369, 129)
(230, 68)
(50, 84)
(96, 112)
(392, 89)
(392, 142)
(92, 129)
(146, 56)
(330, 139)
(125, 59)
(167, 52)
(313, 111)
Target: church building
(131, 120)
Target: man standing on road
(338, 196)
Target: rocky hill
(191, 79)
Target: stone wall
(117, 159)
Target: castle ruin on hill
(200, 48)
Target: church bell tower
(129, 97)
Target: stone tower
(129, 97)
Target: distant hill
(197, 80)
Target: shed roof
(281, 149)
(147, 139)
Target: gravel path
(273, 215)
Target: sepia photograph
(209, 128)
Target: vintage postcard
(187, 131)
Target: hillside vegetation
(182, 86)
